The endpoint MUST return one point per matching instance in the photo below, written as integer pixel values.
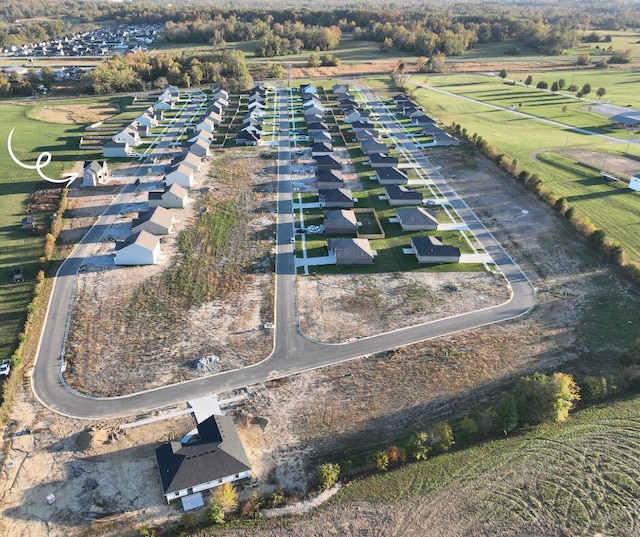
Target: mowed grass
(540, 147)
(19, 248)
(583, 476)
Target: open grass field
(580, 478)
(544, 148)
(22, 248)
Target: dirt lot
(76, 114)
(288, 425)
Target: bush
(442, 438)
(327, 475)
(381, 460)
(419, 446)
(597, 388)
(226, 497)
(395, 455)
(215, 514)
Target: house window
(237, 475)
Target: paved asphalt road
(292, 353)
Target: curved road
(292, 352)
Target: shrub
(381, 460)
(542, 85)
(226, 497)
(442, 438)
(419, 446)
(327, 475)
(597, 388)
(395, 455)
(215, 514)
(276, 499)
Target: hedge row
(610, 248)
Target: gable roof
(328, 160)
(333, 195)
(159, 215)
(96, 166)
(381, 158)
(432, 246)
(417, 216)
(391, 174)
(350, 249)
(342, 217)
(329, 176)
(400, 192)
(141, 238)
(216, 454)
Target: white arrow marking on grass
(42, 161)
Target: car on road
(5, 367)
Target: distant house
(245, 137)
(148, 118)
(319, 149)
(216, 108)
(129, 135)
(312, 116)
(401, 195)
(141, 248)
(207, 125)
(157, 221)
(431, 250)
(336, 198)
(328, 178)
(340, 88)
(317, 126)
(116, 149)
(192, 160)
(382, 160)
(416, 219)
(329, 162)
(172, 91)
(164, 104)
(372, 145)
(391, 176)
(94, 173)
(340, 222)
(634, 183)
(367, 134)
(308, 89)
(360, 125)
(213, 456)
(221, 94)
(181, 174)
(356, 114)
(422, 119)
(172, 197)
(350, 251)
(200, 148)
(320, 136)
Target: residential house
(367, 134)
(319, 149)
(129, 135)
(382, 160)
(416, 219)
(312, 116)
(221, 94)
(340, 88)
(317, 126)
(200, 148)
(216, 108)
(181, 174)
(391, 176)
(164, 104)
(211, 457)
(148, 118)
(172, 197)
(172, 91)
(349, 251)
(353, 115)
(116, 149)
(328, 162)
(431, 250)
(361, 125)
(320, 136)
(329, 178)
(157, 221)
(141, 248)
(634, 183)
(373, 145)
(94, 173)
(336, 198)
(206, 125)
(422, 119)
(245, 137)
(192, 160)
(340, 222)
(401, 195)
(308, 89)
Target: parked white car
(5, 367)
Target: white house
(221, 94)
(148, 118)
(141, 248)
(206, 125)
(157, 221)
(172, 197)
(181, 174)
(129, 135)
(193, 161)
(213, 455)
(116, 149)
(634, 184)
(200, 148)
(164, 104)
(94, 173)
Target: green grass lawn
(18, 247)
(538, 147)
(582, 476)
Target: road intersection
(292, 352)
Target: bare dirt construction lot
(75, 114)
(289, 425)
(149, 333)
